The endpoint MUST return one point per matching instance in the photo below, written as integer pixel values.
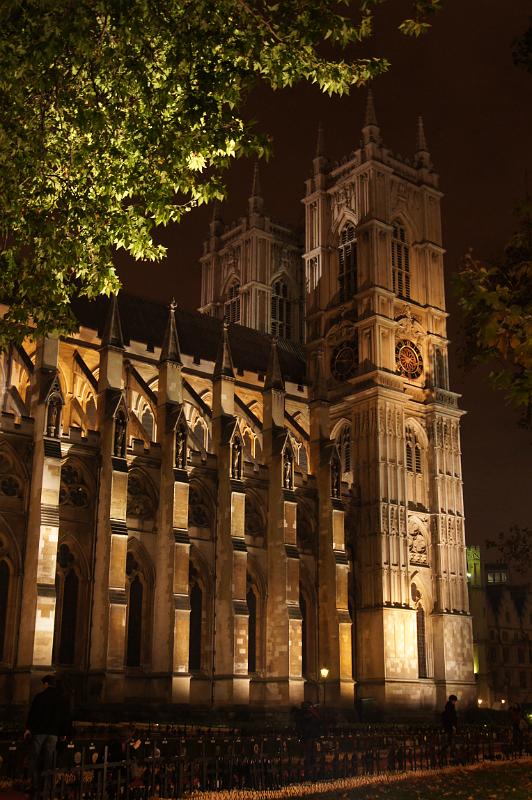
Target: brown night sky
(477, 109)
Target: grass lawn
(503, 780)
(490, 780)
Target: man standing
(47, 720)
(449, 718)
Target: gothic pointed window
(414, 458)
(421, 643)
(281, 310)
(347, 263)
(137, 607)
(232, 303)
(67, 605)
(196, 613)
(251, 599)
(4, 596)
(344, 448)
(400, 261)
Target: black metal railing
(103, 766)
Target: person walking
(449, 720)
(48, 719)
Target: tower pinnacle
(170, 349)
(224, 362)
(370, 131)
(422, 152)
(112, 332)
(274, 375)
(255, 200)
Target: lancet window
(400, 261)
(232, 303)
(281, 310)
(347, 263)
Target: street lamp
(324, 672)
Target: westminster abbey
(210, 508)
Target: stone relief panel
(198, 512)
(74, 491)
(10, 482)
(418, 542)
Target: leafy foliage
(522, 49)
(496, 303)
(117, 116)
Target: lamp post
(324, 672)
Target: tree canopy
(117, 116)
(496, 303)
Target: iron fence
(171, 765)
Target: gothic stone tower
(252, 272)
(377, 350)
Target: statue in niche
(181, 448)
(335, 478)
(288, 475)
(236, 458)
(417, 546)
(53, 416)
(119, 448)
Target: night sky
(477, 109)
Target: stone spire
(371, 131)
(255, 201)
(223, 367)
(274, 375)
(216, 222)
(112, 332)
(422, 155)
(170, 349)
(320, 160)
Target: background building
(198, 512)
(502, 633)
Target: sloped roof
(199, 335)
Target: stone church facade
(208, 512)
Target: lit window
(347, 263)
(232, 304)
(400, 261)
(414, 458)
(281, 311)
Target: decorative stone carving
(288, 469)
(139, 503)
(236, 458)
(181, 447)
(119, 438)
(198, 514)
(335, 478)
(10, 485)
(73, 490)
(53, 415)
(417, 545)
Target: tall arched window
(281, 308)
(66, 612)
(136, 605)
(413, 453)
(196, 613)
(400, 261)
(4, 596)
(421, 643)
(251, 599)
(232, 303)
(347, 263)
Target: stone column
(283, 615)
(231, 620)
(37, 619)
(107, 652)
(172, 603)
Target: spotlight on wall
(480, 701)
(324, 672)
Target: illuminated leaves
(120, 115)
(496, 303)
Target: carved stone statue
(53, 417)
(119, 449)
(335, 478)
(288, 477)
(181, 448)
(236, 458)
